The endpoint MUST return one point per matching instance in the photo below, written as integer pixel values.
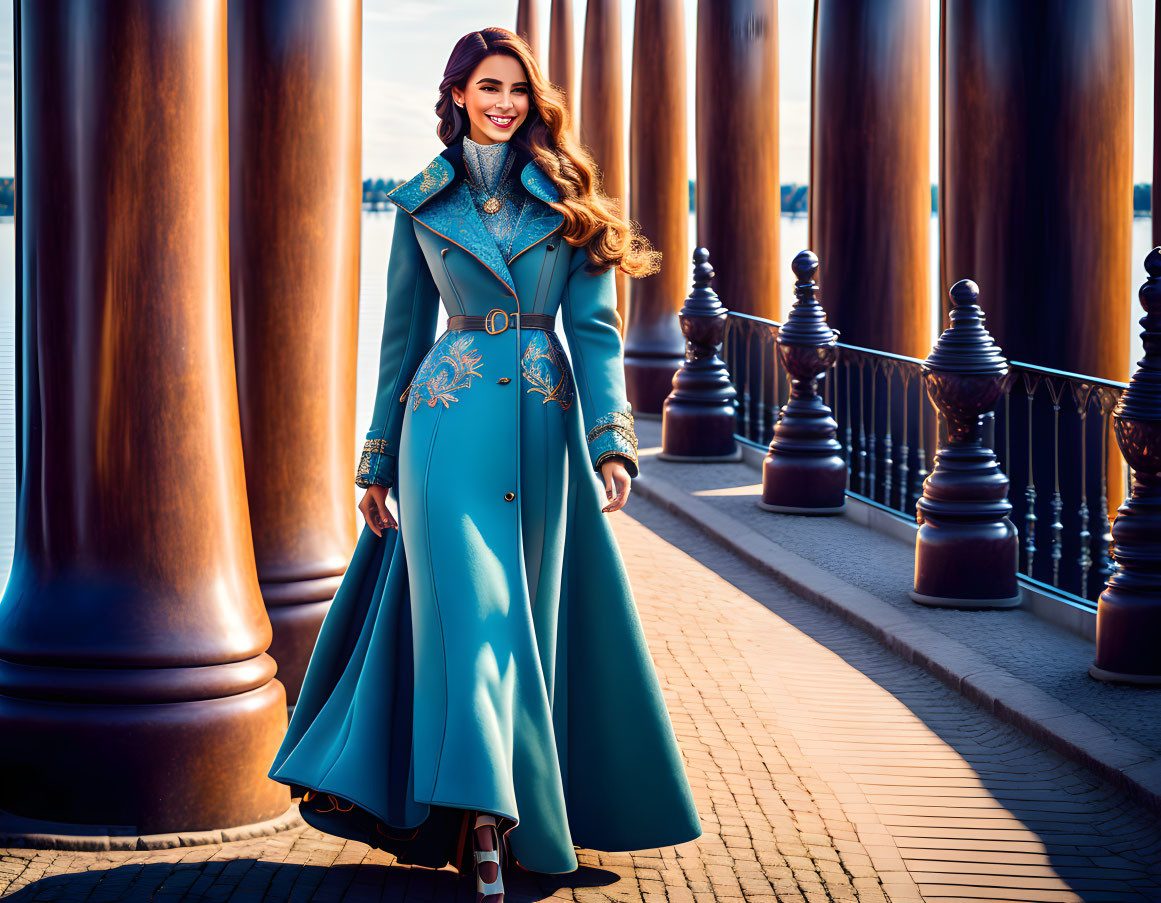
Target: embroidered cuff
(613, 435)
(376, 466)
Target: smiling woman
(483, 664)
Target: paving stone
(825, 767)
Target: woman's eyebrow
(496, 81)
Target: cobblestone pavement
(825, 768)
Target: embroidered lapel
(538, 220)
(439, 198)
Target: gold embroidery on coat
(434, 176)
(542, 377)
(447, 374)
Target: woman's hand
(617, 483)
(374, 508)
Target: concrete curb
(1123, 762)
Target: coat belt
(492, 322)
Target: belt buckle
(490, 321)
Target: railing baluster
(1055, 390)
(1081, 393)
(888, 463)
(872, 437)
(849, 444)
(746, 390)
(1030, 384)
(904, 450)
(760, 425)
(921, 457)
(862, 428)
(1105, 564)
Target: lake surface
(376, 244)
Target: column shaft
(659, 197)
(738, 196)
(134, 684)
(602, 121)
(870, 184)
(295, 162)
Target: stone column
(659, 198)
(870, 184)
(135, 688)
(528, 26)
(739, 202)
(1036, 175)
(561, 60)
(602, 119)
(296, 191)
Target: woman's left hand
(617, 483)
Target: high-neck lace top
(486, 164)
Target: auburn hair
(591, 219)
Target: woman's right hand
(375, 511)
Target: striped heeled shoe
(490, 891)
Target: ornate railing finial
(697, 418)
(804, 472)
(1128, 642)
(966, 551)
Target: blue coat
(489, 654)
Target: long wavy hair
(591, 219)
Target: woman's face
(496, 99)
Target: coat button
(503, 380)
(552, 247)
(508, 496)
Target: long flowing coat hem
(445, 677)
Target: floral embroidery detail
(374, 452)
(444, 374)
(419, 188)
(613, 434)
(546, 368)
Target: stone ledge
(17, 831)
(1123, 762)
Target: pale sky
(406, 44)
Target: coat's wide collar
(452, 213)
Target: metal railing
(1051, 431)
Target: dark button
(503, 380)
(552, 247)
(508, 496)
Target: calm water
(376, 242)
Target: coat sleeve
(408, 331)
(591, 325)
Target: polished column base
(970, 604)
(162, 768)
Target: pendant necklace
(492, 204)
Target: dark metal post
(804, 472)
(1128, 642)
(697, 421)
(966, 551)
